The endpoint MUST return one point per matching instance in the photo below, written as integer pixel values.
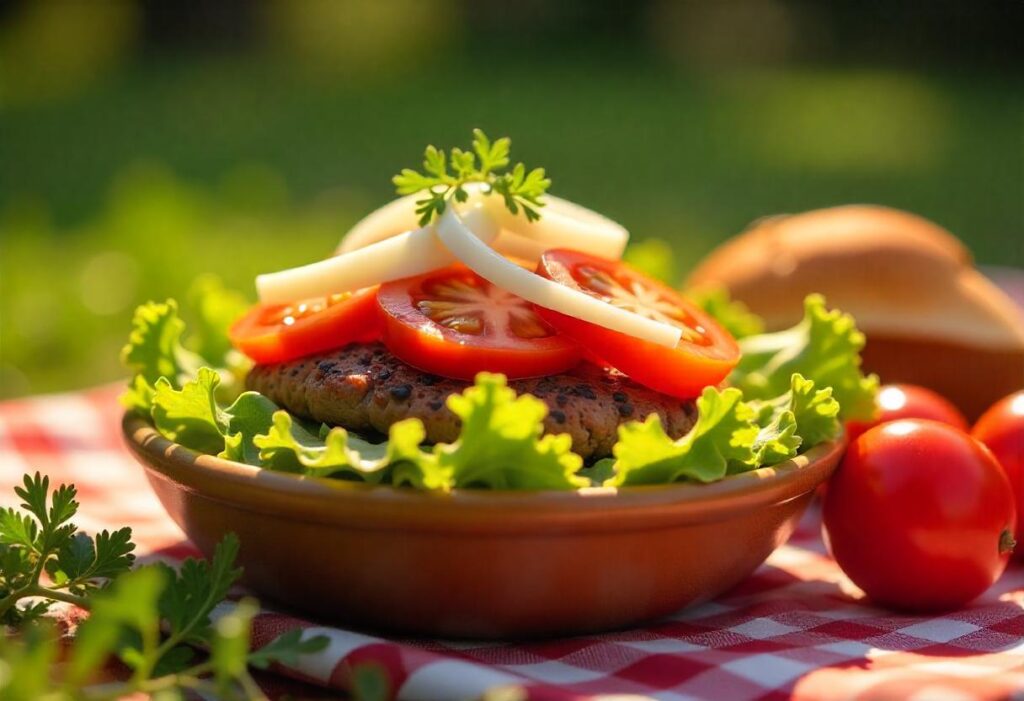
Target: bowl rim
(376, 507)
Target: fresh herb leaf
(195, 589)
(229, 649)
(519, 189)
(81, 559)
(27, 661)
(43, 540)
(287, 648)
(370, 682)
(126, 617)
(129, 604)
(824, 347)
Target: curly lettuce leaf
(824, 347)
(795, 421)
(193, 417)
(154, 351)
(157, 346)
(289, 447)
(776, 441)
(190, 415)
(816, 411)
(250, 415)
(733, 315)
(410, 465)
(724, 435)
(501, 445)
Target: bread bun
(930, 317)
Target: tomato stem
(1006, 542)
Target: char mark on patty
(364, 388)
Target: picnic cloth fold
(796, 629)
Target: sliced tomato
(454, 323)
(273, 333)
(703, 357)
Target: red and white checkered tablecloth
(796, 629)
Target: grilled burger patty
(364, 388)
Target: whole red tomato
(909, 402)
(1001, 428)
(920, 516)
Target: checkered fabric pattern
(796, 629)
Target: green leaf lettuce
(824, 347)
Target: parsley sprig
(153, 619)
(43, 540)
(446, 175)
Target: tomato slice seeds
(454, 323)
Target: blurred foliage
(68, 292)
(132, 161)
(360, 39)
(61, 46)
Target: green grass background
(174, 166)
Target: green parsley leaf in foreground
(148, 618)
(520, 189)
(824, 347)
(41, 538)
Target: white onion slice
(492, 266)
(396, 217)
(412, 253)
(563, 224)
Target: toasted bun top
(897, 273)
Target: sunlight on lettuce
(867, 122)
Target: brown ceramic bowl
(481, 564)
